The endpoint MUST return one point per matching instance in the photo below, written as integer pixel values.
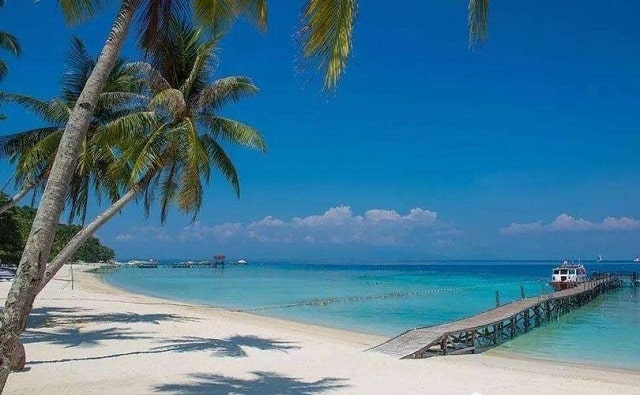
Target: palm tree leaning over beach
(326, 38)
(169, 149)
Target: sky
(526, 148)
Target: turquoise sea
(387, 299)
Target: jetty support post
(522, 292)
(497, 298)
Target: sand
(96, 339)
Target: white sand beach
(96, 339)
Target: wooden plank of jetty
(492, 327)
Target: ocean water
(392, 298)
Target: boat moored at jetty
(568, 275)
(144, 264)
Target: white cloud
(144, 233)
(336, 226)
(124, 236)
(567, 223)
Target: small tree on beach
(326, 37)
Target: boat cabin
(568, 276)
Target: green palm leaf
(222, 162)
(255, 10)
(233, 132)
(169, 102)
(13, 145)
(478, 22)
(222, 91)
(153, 78)
(326, 36)
(10, 43)
(54, 111)
(76, 11)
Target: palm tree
(9, 43)
(33, 151)
(326, 37)
(169, 150)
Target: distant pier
(496, 326)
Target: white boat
(567, 276)
(600, 258)
(242, 262)
(636, 259)
(144, 264)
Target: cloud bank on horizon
(336, 226)
(375, 233)
(567, 223)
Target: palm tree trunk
(16, 198)
(81, 237)
(31, 269)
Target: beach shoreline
(133, 343)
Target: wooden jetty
(495, 326)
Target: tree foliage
(15, 225)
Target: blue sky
(526, 148)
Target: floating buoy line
(352, 299)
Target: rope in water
(352, 299)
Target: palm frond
(37, 158)
(148, 155)
(113, 101)
(169, 102)
(198, 70)
(154, 21)
(478, 22)
(128, 128)
(76, 11)
(326, 36)
(255, 11)
(3, 69)
(54, 111)
(10, 43)
(216, 15)
(169, 188)
(155, 80)
(233, 132)
(13, 145)
(79, 67)
(222, 162)
(224, 90)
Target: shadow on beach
(55, 316)
(264, 383)
(73, 337)
(230, 347)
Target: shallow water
(389, 299)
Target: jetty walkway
(495, 326)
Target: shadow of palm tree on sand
(264, 383)
(229, 347)
(50, 317)
(75, 337)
